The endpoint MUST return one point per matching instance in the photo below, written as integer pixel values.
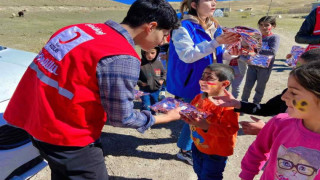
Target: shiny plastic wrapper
(260, 60)
(138, 94)
(187, 110)
(296, 52)
(250, 41)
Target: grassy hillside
(43, 17)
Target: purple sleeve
(273, 43)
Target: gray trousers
(239, 73)
(259, 74)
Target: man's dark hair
(146, 11)
(311, 55)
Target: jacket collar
(210, 31)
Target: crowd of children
(195, 63)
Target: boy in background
(152, 76)
(163, 57)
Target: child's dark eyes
(264, 25)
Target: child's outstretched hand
(252, 128)
(195, 120)
(225, 101)
(288, 56)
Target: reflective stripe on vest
(53, 83)
(57, 101)
(316, 30)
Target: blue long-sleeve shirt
(117, 77)
(270, 46)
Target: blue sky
(131, 1)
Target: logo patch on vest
(65, 41)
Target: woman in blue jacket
(195, 45)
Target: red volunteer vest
(57, 100)
(316, 30)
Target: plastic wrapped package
(138, 94)
(166, 105)
(260, 60)
(295, 52)
(187, 110)
(250, 41)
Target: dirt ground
(152, 155)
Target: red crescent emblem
(76, 37)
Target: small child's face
(265, 28)
(151, 54)
(210, 83)
(301, 103)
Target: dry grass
(44, 17)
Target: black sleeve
(140, 80)
(305, 34)
(273, 107)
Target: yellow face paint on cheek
(298, 64)
(300, 105)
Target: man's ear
(151, 26)
(226, 83)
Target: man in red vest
(84, 74)
(309, 32)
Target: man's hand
(252, 128)
(169, 116)
(174, 113)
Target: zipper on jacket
(188, 78)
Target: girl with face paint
(290, 141)
(303, 94)
(270, 45)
